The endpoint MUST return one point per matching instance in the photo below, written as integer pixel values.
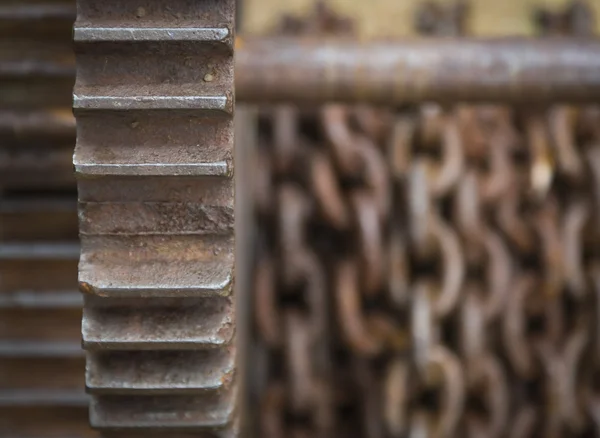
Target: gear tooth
(157, 324)
(154, 106)
(211, 412)
(161, 373)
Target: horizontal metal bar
(121, 103)
(38, 122)
(219, 168)
(47, 205)
(510, 70)
(96, 34)
(41, 300)
(37, 349)
(39, 11)
(24, 397)
(39, 251)
(35, 68)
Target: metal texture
(42, 389)
(364, 372)
(154, 105)
(37, 129)
(41, 362)
(506, 70)
(245, 130)
(427, 271)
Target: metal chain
(453, 252)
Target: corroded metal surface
(41, 362)
(42, 391)
(154, 105)
(317, 70)
(349, 330)
(427, 271)
(434, 274)
(37, 129)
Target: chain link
(429, 271)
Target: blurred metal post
(245, 140)
(507, 70)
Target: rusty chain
(429, 271)
(421, 272)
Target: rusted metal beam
(511, 70)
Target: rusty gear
(154, 104)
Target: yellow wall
(394, 17)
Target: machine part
(37, 129)
(478, 300)
(42, 392)
(294, 373)
(154, 103)
(444, 70)
(41, 362)
(465, 305)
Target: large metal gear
(41, 362)
(154, 104)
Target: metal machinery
(425, 256)
(41, 361)
(154, 105)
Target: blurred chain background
(427, 271)
(421, 271)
